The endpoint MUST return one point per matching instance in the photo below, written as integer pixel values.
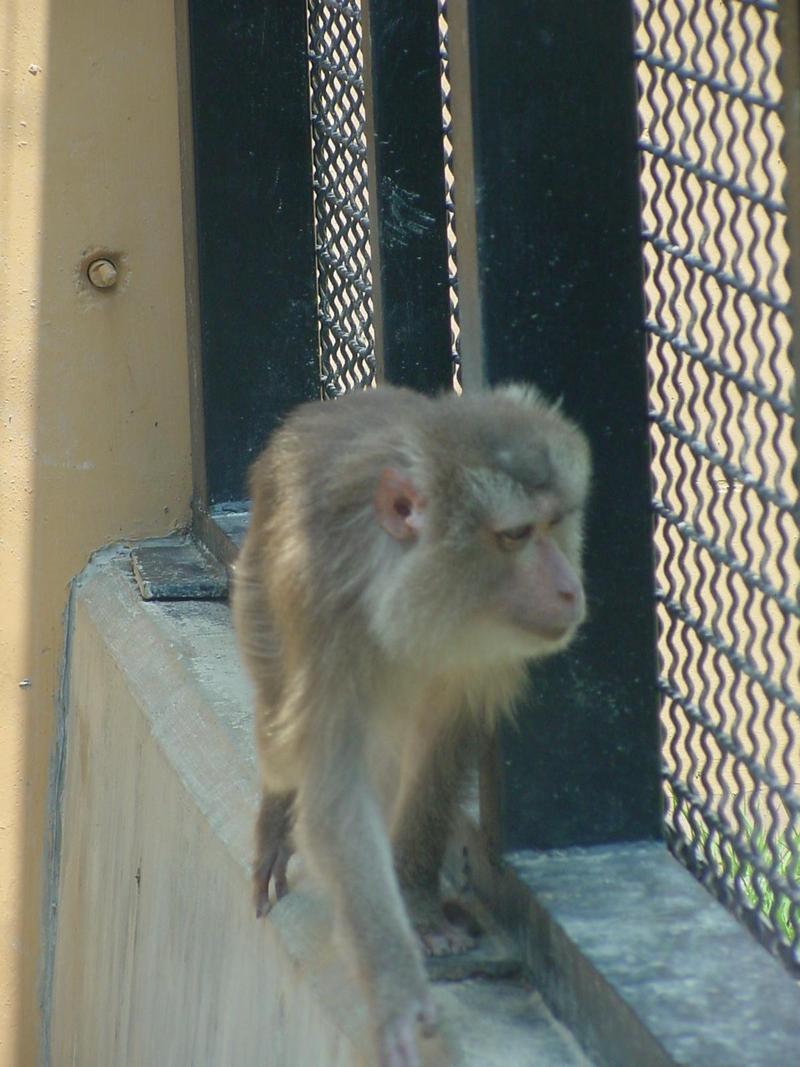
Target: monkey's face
(539, 591)
(492, 545)
(522, 571)
(517, 521)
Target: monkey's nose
(571, 602)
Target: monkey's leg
(421, 838)
(273, 848)
(341, 830)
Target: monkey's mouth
(553, 630)
(555, 633)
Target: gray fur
(378, 661)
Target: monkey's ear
(399, 507)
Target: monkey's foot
(270, 870)
(397, 1040)
(443, 929)
(444, 938)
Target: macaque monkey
(406, 558)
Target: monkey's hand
(397, 1037)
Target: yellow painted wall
(94, 425)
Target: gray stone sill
(158, 956)
(637, 959)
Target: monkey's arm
(340, 828)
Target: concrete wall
(93, 385)
(159, 958)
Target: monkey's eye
(515, 537)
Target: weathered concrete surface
(159, 960)
(158, 957)
(637, 955)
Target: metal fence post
(550, 289)
(255, 228)
(408, 235)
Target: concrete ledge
(158, 957)
(159, 960)
(638, 960)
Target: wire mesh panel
(447, 143)
(725, 500)
(344, 282)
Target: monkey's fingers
(398, 1040)
(261, 900)
(399, 1045)
(270, 870)
(428, 1019)
(279, 872)
(444, 939)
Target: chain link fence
(341, 201)
(449, 182)
(718, 337)
(726, 520)
(341, 204)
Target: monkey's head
(485, 523)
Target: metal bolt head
(102, 273)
